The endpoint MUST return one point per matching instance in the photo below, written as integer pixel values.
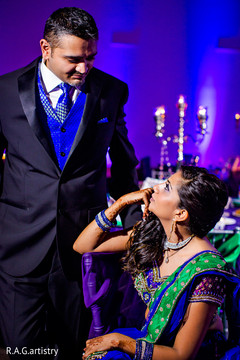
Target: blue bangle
(107, 221)
(138, 352)
(103, 222)
(100, 224)
(144, 350)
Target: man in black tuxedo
(53, 183)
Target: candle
(202, 117)
(159, 117)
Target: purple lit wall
(161, 49)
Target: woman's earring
(173, 228)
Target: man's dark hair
(69, 21)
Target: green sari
(169, 302)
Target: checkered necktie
(64, 102)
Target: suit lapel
(27, 87)
(93, 89)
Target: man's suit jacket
(39, 202)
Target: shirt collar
(49, 79)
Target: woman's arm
(190, 335)
(92, 238)
(186, 345)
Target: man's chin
(76, 82)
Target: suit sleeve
(123, 170)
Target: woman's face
(165, 199)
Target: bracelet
(103, 222)
(97, 355)
(144, 350)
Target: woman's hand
(109, 342)
(136, 197)
(100, 343)
(92, 238)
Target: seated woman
(177, 272)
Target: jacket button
(63, 130)
(62, 153)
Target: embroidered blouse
(210, 288)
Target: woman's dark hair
(69, 21)
(145, 245)
(203, 195)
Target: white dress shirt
(51, 84)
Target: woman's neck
(179, 234)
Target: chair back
(109, 293)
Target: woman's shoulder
(202, 244)
(199, 247)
